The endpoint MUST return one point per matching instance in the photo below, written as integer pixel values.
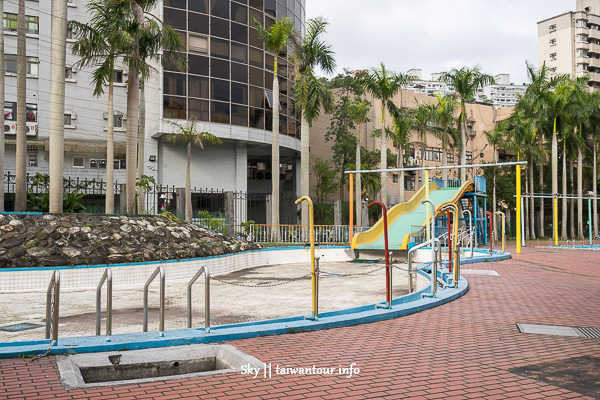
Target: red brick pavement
(461, 350)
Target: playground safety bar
(161, 327)
(106, 277)
(52, 300)
(316, 273)
(202, 270)
(471, 230)
(412, 272)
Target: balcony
(580, 30)
(594, 48)
(593, 62)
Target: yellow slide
(405, 217)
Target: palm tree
(309, 92)
(2, 113)
(533, 104)
(383, 85)
(420, 120)
(496, 138)
(465, 81)
(99, 44)
(359, 111)
(400, 134)
(594, 127)
(276, 39)
(190, 136)
(21, 179)
(444, 117)
(148, 38)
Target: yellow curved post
(518, 209)
(503, 229)
(314, 314)
(428, 207)
(456, 271)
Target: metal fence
(296, 234)
(40, 183)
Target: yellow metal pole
(503, 229)
(456, 271)
(427, 205)
(555, 220)
(351, 191)
(518, 209)
(315, 313)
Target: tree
(326, 178)
(276, 39)
(189, 135)
(310, 93)
(420, 119)
(400, 134)
(21, 165)
(444, 117)
(2, 67)
(383, 85)
(466, 81)
(359, 111)
(496, 139)
(148, 38)
(99, 44)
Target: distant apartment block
(569, 43)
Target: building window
(553, 56)
(409, 183)
(469, 158)
(395, 178)
(450, 157)
(552, 27)
(68, 73)
(68, 120)
(117, 76)
(119, 164)
(118, 121)
(10, 63)
(32, 25)
(70, 35)
(32, 159)
(97, 164)
(78, 161)
(552, 42)
(197, 43)
(31, 112)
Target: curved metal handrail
(161, 327)
(203, 270)
(106, 277)
(52, 300)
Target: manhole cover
(19, 327)
(577, 374)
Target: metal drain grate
(593, 333)
(19, 327)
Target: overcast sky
(436, 35)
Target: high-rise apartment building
(502, 93)
(227, 87)
(570, 43)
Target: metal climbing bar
(161, 327)
(203, 270)
(52, 303)
(106, 277)
(412, 272)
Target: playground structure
(409, 223)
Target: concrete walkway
(467, 349)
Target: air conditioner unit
(32, 128)
(10, 128)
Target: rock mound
(79, 239)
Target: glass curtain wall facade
(230, 74)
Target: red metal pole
(388, 290)
(449, 243)
(489, 214)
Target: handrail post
(503, 229)
(52, 307)
(315, 313)
(203, 269)
(490, 215)
(316, 273)
(388, 302)
(161, 327)
(471, 230)
(107, 276)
